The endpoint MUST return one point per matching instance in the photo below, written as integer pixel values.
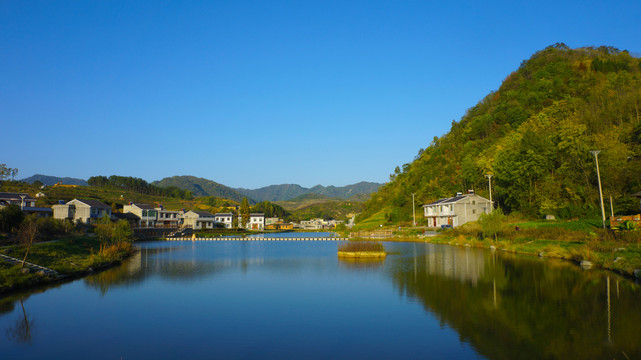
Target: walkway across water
(240, 238)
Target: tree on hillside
(244, 211)
(6, 172)
(269, 209)
(27, 235)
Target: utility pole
(489, 180)
(596, 159)
(413, 209)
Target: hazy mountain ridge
(52, 180)
(290, 191)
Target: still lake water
(295, 299)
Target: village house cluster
(447, 212)
(89, 211)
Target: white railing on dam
(239, 238)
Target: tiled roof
(37, 209)
(15, 196)
(144, 206)
(202, 213)
(94, 203)
(449, 200)
(126, 216)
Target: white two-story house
(147, 213)
(199, 219)
(227, 219)
(169, 218)
(256, 221)
(457, 210)
(82, 210)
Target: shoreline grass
(70, 257)
(620, 257)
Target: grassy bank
(619, 251)
(70, 257)
(575, 240)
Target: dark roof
(202, 213)
(448, 200)
(224, 214)
(37, 209)
(257, 214)
(15, 196)
(94, 203)
(144, 206)
(126, 216)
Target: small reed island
(361, 249)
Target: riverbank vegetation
(576, 241)
(62, 247)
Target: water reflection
(193, 261)
(20, 330)
(296, 298)
(518, 307)
(374, 264)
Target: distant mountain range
(205, 187)
(291, 191)
(52, 180)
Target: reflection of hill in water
(511, 307)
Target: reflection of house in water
(464, 264)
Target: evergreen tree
(244, 211)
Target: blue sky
(255, 93)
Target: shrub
(491, 224)
(355, 246)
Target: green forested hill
(534, 134)
(200, 187)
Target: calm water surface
(295, 299)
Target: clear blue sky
(254, 93)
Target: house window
(473, 202)
(473, 211)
